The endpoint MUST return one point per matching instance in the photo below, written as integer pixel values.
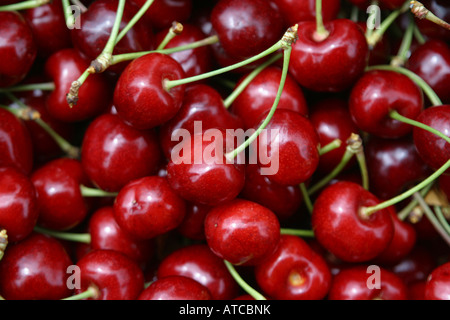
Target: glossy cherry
(148, 207)
(198, 262)
(111, 274)
(438, 283)
(391, 4)
(17, 48)
(19, 207)
(35, 269)
(333, 64)
(139, 95)
(340, 227)
(242, 232)
(294, 272)
(114, 153)
(192, 225)
(175, 288)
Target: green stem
(244, 285)
(91, 292)
(361, 158)
(24, 5)
(405, 46)
(419, 10)
(306, 198)
(70, 19)
(418, 35)
(93, 192)
(406, 211)
(442, 219)
(175, 30)
(47, 86)
(336, 143)
(297, 232)
(75, 237)
(321, 33)
(134, 20)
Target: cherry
(62, 205)
(139, 96)
(242, 232)
(296, 11)
(433, 150)
(333, 64)
(17, 48)
(416, 290)
(198, 262)
(18, 206)
(246, 28)
(341, 228)
(258, 96)
(352, 284)
(35, 269)
(294, 272)
(192, 225)
(16, 147)
(175, 288)
(377, 93)
(64, 67)
(437, 285)
(391, 4)
(114, 153)
(148, 207)
(110, 275)
(441, 9)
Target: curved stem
(405, 212)
(418, 35)
(91, 292)
(244, 285)
(134, 20)
(308, 203)
(361, 158)
(442, 219)
(92, 192)
(321, 33)
(24, 5)
(405, 46)
(75, 237)
(175, 30)
(421, 12)
(46, 86)
(297, 232)
(70, 19)
(336, 143)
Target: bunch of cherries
(95, 204)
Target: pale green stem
(244, 285)
(75, 237)
(134, 20)
(306, 198)
(297, 232)
(24, 5)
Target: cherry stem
(306, 197)
(69, 236)
(336, 143)
(70, 19)
(432, 96)
(406, 211)
(421, 12)
(418, 35)
(248, 79)
(402, 55)
(24, 5)
(134, 20)
(46, 86)
(321, 33)
(361, 159)
(244, 285)
(174, 30)
(91, 292)
(93, 192)
(297, 232)
(442, 219)
(3, 242)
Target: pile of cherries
(94, 205)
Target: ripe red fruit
(175, 288)
(438, 283)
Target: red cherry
(294, 272)
(139, 96)
(242, 232)
(391, 4)
(18, 206)
(111, 274)
(192, 225)
(175, 288)
(333, 64)
(198, 262)
(148, 207)
(340, 227)
(441, 9)
(17, 48)
(416, 290)
(296, 11)
(64, 67)
(35, 269)
(114, 153)
(376, 94)
(438, 283)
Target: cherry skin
(17, 48)
(198, 262)
(114, 153)
(242, 232)
(64, 67)
(246, 28)
(148, 207)
(433, 150)
(192, 225)
(444, 185)
(19, 207)
(35, 269)
(341, 229)
(294, 272)
(333, 64)
(16, 147)
(259, 95)
(111, 274)
(437, 285)
(175, 288)
(352, 284)
(139, 96)
(391, 4)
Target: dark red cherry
(175, 288)
(49, 28)
(111, 274)
(360, 283)
(198, 262)
(17, 48)
(16, 147)
(296, 11)
(440, 8)
(64, 67)
(246, 28)
(416, 290)
(259, 95)
(148, 207)
(192, 225)
(444, 185)
(35, 269)
(333, 64)
(114, 153)
(391, 4)
(139, 96)
(377, 93)
(62, 205)
(242, 232)
(341, 228)
(294, 272)
(18, 206)
(433, 150)
(438, 283)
